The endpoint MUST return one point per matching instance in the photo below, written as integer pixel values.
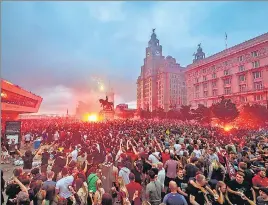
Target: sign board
(13, 127)
(13, 132)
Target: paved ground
(8, 168)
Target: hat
(265, 190)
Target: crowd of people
(137, 162)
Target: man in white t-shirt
(197, 151)
(62, 186)
(154, 157)
(124, 173)
(74, 154)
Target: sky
(61, 50)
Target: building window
(257, 74)
(197, 88)
(240, 58)
(205, 93)
(204, 78)
(214, 84)
(214, 92)
(196, 95)
(214, 75)
(226, 72)
(213, 68)
(227, 91)
(205, 85)
(258, 86)
(241, 68)
(242, 78)
(226, 63)
(254, 54)
(256, 64)
(242, 88)
(243, 99)
(258, 97)
(227, 81)
(204, 70)
(196, 80)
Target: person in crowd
(263, 198)
(171, 166)
(99, 192)
(124, 173)
(153, 189)
(107, 199)
(62, 186)
(260, 179)
(181, 182)
(174, 198)
(134, 187)
(240, 191)
(221, 192)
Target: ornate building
(161, 83)
(239, 73)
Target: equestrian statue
(106, 105)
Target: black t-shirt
(11, 191)
(45, 158)
(243, 188)
(191, 171)
(182, 183)
(197, 193)
(137, 175)
(27, 162)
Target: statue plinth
(107, 114)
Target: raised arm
(22, 187)
(158, 145)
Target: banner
(13, 127)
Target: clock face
(157, 53)
(148, 54)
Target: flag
(225, 36)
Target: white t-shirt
(153, 159)
(63, 186)
(197, 153)
(124, 173)
(74, 155)
(177, 147)
(27, 137)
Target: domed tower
(199, 55)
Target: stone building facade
(239, 73)
(161, 83)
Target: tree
(255, 115)
(202, 114)
(185, 112)
(225, 110)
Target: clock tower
(153, 49)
